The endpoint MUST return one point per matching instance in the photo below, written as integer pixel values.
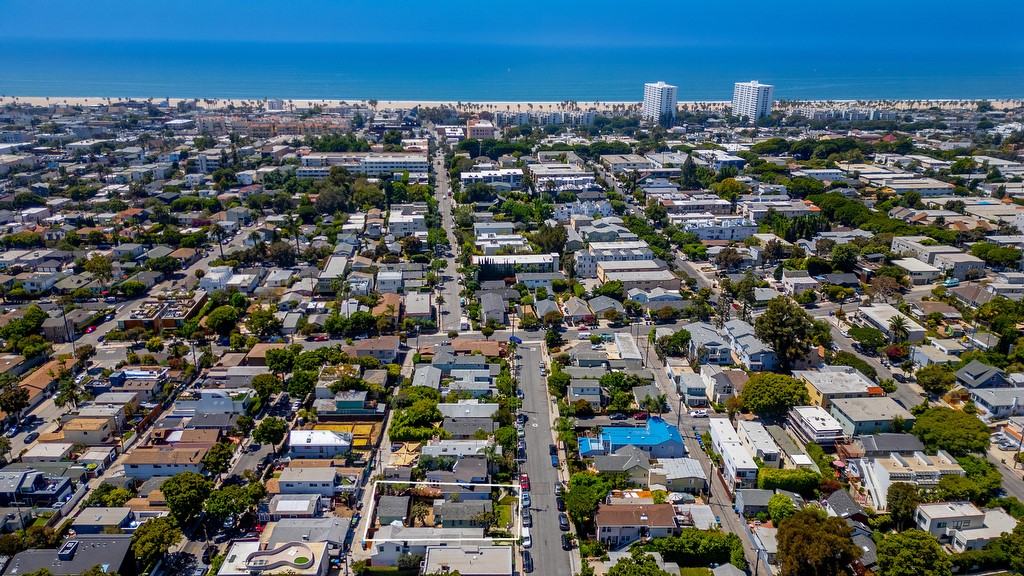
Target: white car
(699, 414)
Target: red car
(321, 338)
(524, 482)
(90, 329)
(640, 416)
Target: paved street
(904, 393)
(548, 556)
(449, 312)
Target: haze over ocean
(527, 50)
(478, 72)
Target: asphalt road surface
(548, 556)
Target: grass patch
(695, 571)
(504, 516)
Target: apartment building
(586, 260)
(659, 99)
(752, 100)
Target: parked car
(560, 504)
(554, 461)
(566, 542)
(552, 449)
(209, 553)
(563, 522)
(31, 437)
(618, 416)
(640, 416)
(90, 329)
(526, 499)
(699, 414)
(527, 561)
(524, 481)
(527, 518)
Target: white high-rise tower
(659, 99)
(752, 99)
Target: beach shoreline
(515, 106)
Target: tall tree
(788, 328)
(912, 553)
(902, 499)
(812, 544)
(768, 394)
(153, 539)
(185, 493)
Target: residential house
(759, 443)
(750, 350)
(78, 555)
(865, 416)
(814, 424)
(840, 504)
(657, 438)
(469, 514)
(620, 525)
(318, 444)
(962, 525)
(629, 460)
(392, 542)
(678, 475)
(316, 480)
(919, 469)
(977, 375)
(146, 462)
(394, 510)
(833, 382)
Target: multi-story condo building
(659, 98)
(752, 99)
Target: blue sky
(913, 26)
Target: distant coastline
(493, 106)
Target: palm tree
(898, 329)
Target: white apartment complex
(752, 99)
(659, 98)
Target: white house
(318, 444)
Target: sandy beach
(707, 106)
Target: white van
(583, 335)
(527, 540)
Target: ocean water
(478, 72)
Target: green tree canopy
(912, 553)
(767, 393)
(638, 564)
(222, 319)
(780, 508)
(956, 432)
(185, 493)
(902, 500)
(936, 378)
(812, 544)
(266, 385)
(788, 328)
(153, 538)
(270, 431)
(803, 481)
(218, 457)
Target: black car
(209, 553)
(563, 522)
(527, 519)
(527, 561)
(552, 450)
(566, 542)
(560, 504)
